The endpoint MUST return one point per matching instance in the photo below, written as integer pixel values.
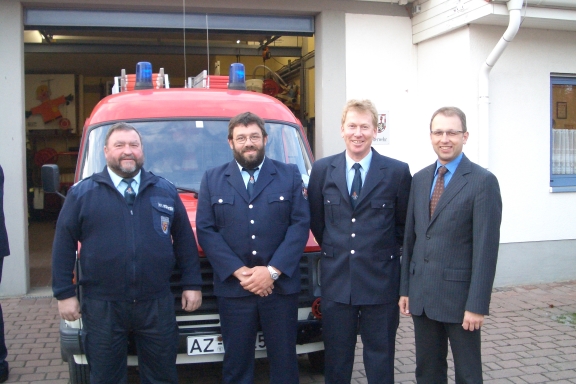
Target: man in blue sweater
(133, 229)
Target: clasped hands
(256, 280)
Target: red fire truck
(184, 132)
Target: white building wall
(520, 131)
(538, 227)
(446, 77)
(538, 234)
(380, 66)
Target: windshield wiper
(188, 190)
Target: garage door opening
(72, 56)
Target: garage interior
(76, 56)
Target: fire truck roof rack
(126, 82)
(203, 80)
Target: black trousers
(3, 350)
(377, 325)
(239, 318)
(107, 325)
(432, 349)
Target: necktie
(356, 185)
(251, 181)
(438, 189)
(129, 194)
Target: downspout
(514, 8)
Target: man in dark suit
(4, 251)
(358, 201)
(450, 252)
(252, 223)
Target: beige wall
(15, 280)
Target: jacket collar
(266, 175)
(373, 177)
(457, 182)
(146, 178)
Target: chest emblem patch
(165, 222)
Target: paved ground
(530, 338)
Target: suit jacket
(4, 248)
(449, 259)
(271, 228)
(360, 262)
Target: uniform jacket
(360, 262)
(4, 248)
(449, 260)
(123, 256)
(271, 228)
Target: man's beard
(250, 163)
(127, 171)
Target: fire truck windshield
(181, 150)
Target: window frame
(559, 182)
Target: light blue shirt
(451, 168)
(364, 166)
(120, 185)
(246, 175)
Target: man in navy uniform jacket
(133, 229)
(358, 202)
(253, 224)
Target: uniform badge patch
(165, 221)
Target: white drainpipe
(514, 8)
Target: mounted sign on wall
(383, 132)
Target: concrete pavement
(530, 337)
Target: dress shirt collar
(451, 166)
(246, 176)
(365, 162)
(117, 181)
(259, 167)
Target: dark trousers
(432, 349)
(377, 325)
(239, 319)
(3, 350)
(107, 325)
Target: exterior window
(563, 134)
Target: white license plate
(204, 345)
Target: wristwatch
(273, 274)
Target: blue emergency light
(143, 75)
(237, 77)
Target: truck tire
(316, 360)
(79, 373)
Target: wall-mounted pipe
(514, 9)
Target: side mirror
(51, 179)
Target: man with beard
(133, 229)
(253, 224)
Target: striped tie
(438, 189)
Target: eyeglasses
(440, 133)
(253, 138)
